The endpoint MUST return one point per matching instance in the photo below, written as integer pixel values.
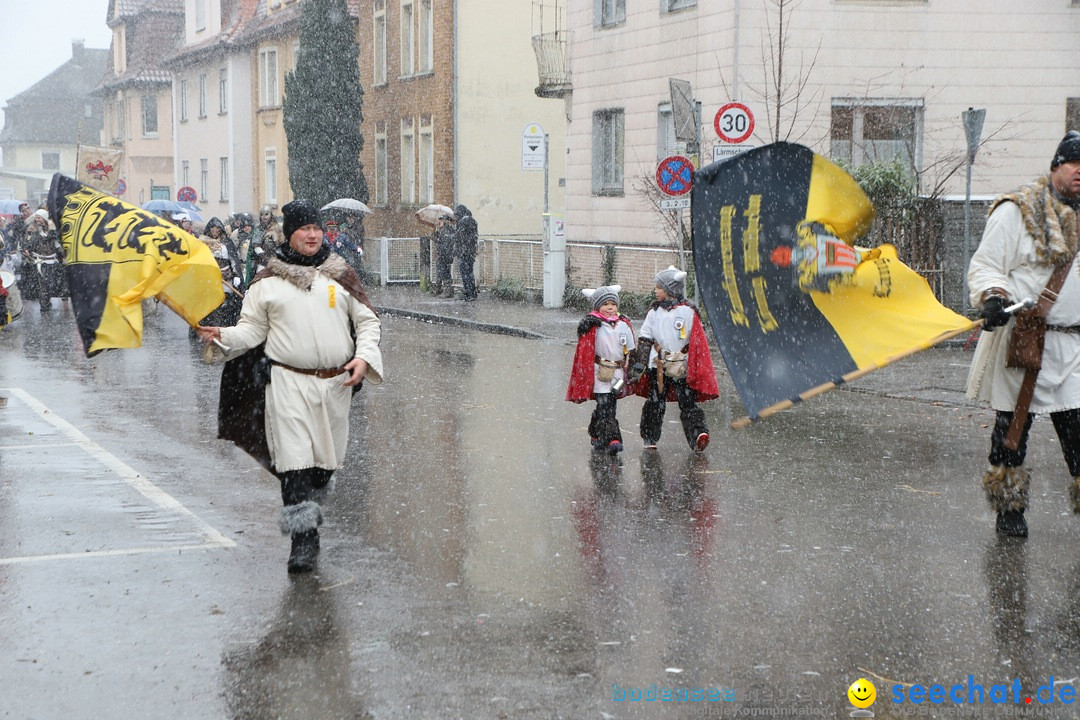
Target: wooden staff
(195, 326)
(855, 374)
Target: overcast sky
(38, 34)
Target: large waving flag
(118, 255)
(796, 308)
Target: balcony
(552, 64)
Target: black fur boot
(1012, 522)
(305, 548)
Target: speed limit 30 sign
(734, 123)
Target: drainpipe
(454, 99)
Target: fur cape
(1050, 222)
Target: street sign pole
(973, 124)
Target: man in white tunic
(321, 338)
(1029, 233)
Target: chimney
(77, 45)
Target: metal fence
(520, 258)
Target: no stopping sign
(734, 122)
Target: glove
(993, 313)
(635, 372)
(587, 323)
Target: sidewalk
(486, 313)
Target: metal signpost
(675, 177)
(973, 124)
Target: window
(406, 38)
(672, 5)
(609, 12)
(666, 144)
(223, 164)
(223, 91)
(200, 15)
(119, 112)
(183, 101)
(408, 162)
(427, 161)
(271, 175)
(1072, 112)
(204, 178)
(185, 173)
(607, 153)
(268, 78)
(50, 160)
(149, 115)
(379, 43)
(381, 191)
(202, 96)
(425, 37)
(867, 131)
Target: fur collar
(1050, 222)
(303, 276)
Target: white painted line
(108, 553)
(128, 474)
(38, 446)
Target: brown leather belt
(1071, 329)
(324, 374)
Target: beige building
(862, 80)
(449, 93)
(137, 95)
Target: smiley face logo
(862, 693)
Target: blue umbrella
(190, 207)
(160, 206)
(191, 215)
(10, 207)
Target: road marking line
(107, 553)
(128, 474)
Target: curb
(462, 322)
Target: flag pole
(194, 326)
(853, 375)
(1024, 304)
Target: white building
(212, 109)
(860, 79)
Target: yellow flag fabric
(117, 255)
(885, 310)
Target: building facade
(448, 97)
(213, 112)
(44, 124)
(137, 95)
(855, 80)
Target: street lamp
(973, 125)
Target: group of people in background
(457, 238)
(243, 245)
(31, 260)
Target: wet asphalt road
(480, 562)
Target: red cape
(700, 373)
(580, 388)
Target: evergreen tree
(323, 107)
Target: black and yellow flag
(117, 255)
(794, 304)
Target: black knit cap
(1068, 150)
(299, 213)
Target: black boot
(305, 548)
(1012, 522)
